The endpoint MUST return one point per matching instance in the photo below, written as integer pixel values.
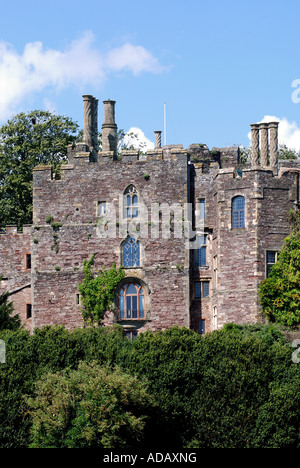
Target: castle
(195, 230)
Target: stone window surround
(229, 209)
(239, 210)
(133, 323)
(201, 281)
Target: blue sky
(219, 65)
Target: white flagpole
(165, 123)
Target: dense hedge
(237, 387)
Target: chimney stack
(157, 139)
(265, 137)
(109, 128)
(273, 126)
(90, 124)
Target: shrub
(7, 321)
(92, 407)
(280, 293)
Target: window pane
(131, 289)
(201, 327)
(128, 306)
(134, 307)
(131, 253)
(271, 257)
(101, 208)
(202, 209)
(142, 314)
(238, 212)
(197, 289)
(205, 286)
(121, 307)
(238, 203)
(202, 256)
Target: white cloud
(135, 137)
(135, 58)
(288, 132)
(81, 63)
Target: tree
(98, 292)
(284, 152)
(91, 407)
(125, 141)
(26, 141)
(280, 293)
(7, 322)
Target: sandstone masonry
(204, 230)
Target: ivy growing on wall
(98, 291)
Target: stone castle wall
(15, 269)
(68, 228)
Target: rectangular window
(28, 262)
(238, 212)
(215, 268)
(131, 335)
(201, 289)
(28, 311)
(101, 210)
(202, 250)
(202, 209)
(271, 259)
(197, 290)
(201, 327)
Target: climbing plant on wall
(98, 290)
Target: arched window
(131, 202)
(131, 253)
(238, 212)
(131, 302)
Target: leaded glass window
(201, 289)
(202, 209)
(132, 302)
(202, 250)
(201, 327)
(131, 253)
(131, 202)
(238, 212)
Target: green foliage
(29, 357)
(7, 321)
(283, 153)
(280, 293)
(237, 387)
(26, 141)
(287, 153)
(92, 407)
(210, 389)
(98, 292)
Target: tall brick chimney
(109, 128)
(90, 124)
